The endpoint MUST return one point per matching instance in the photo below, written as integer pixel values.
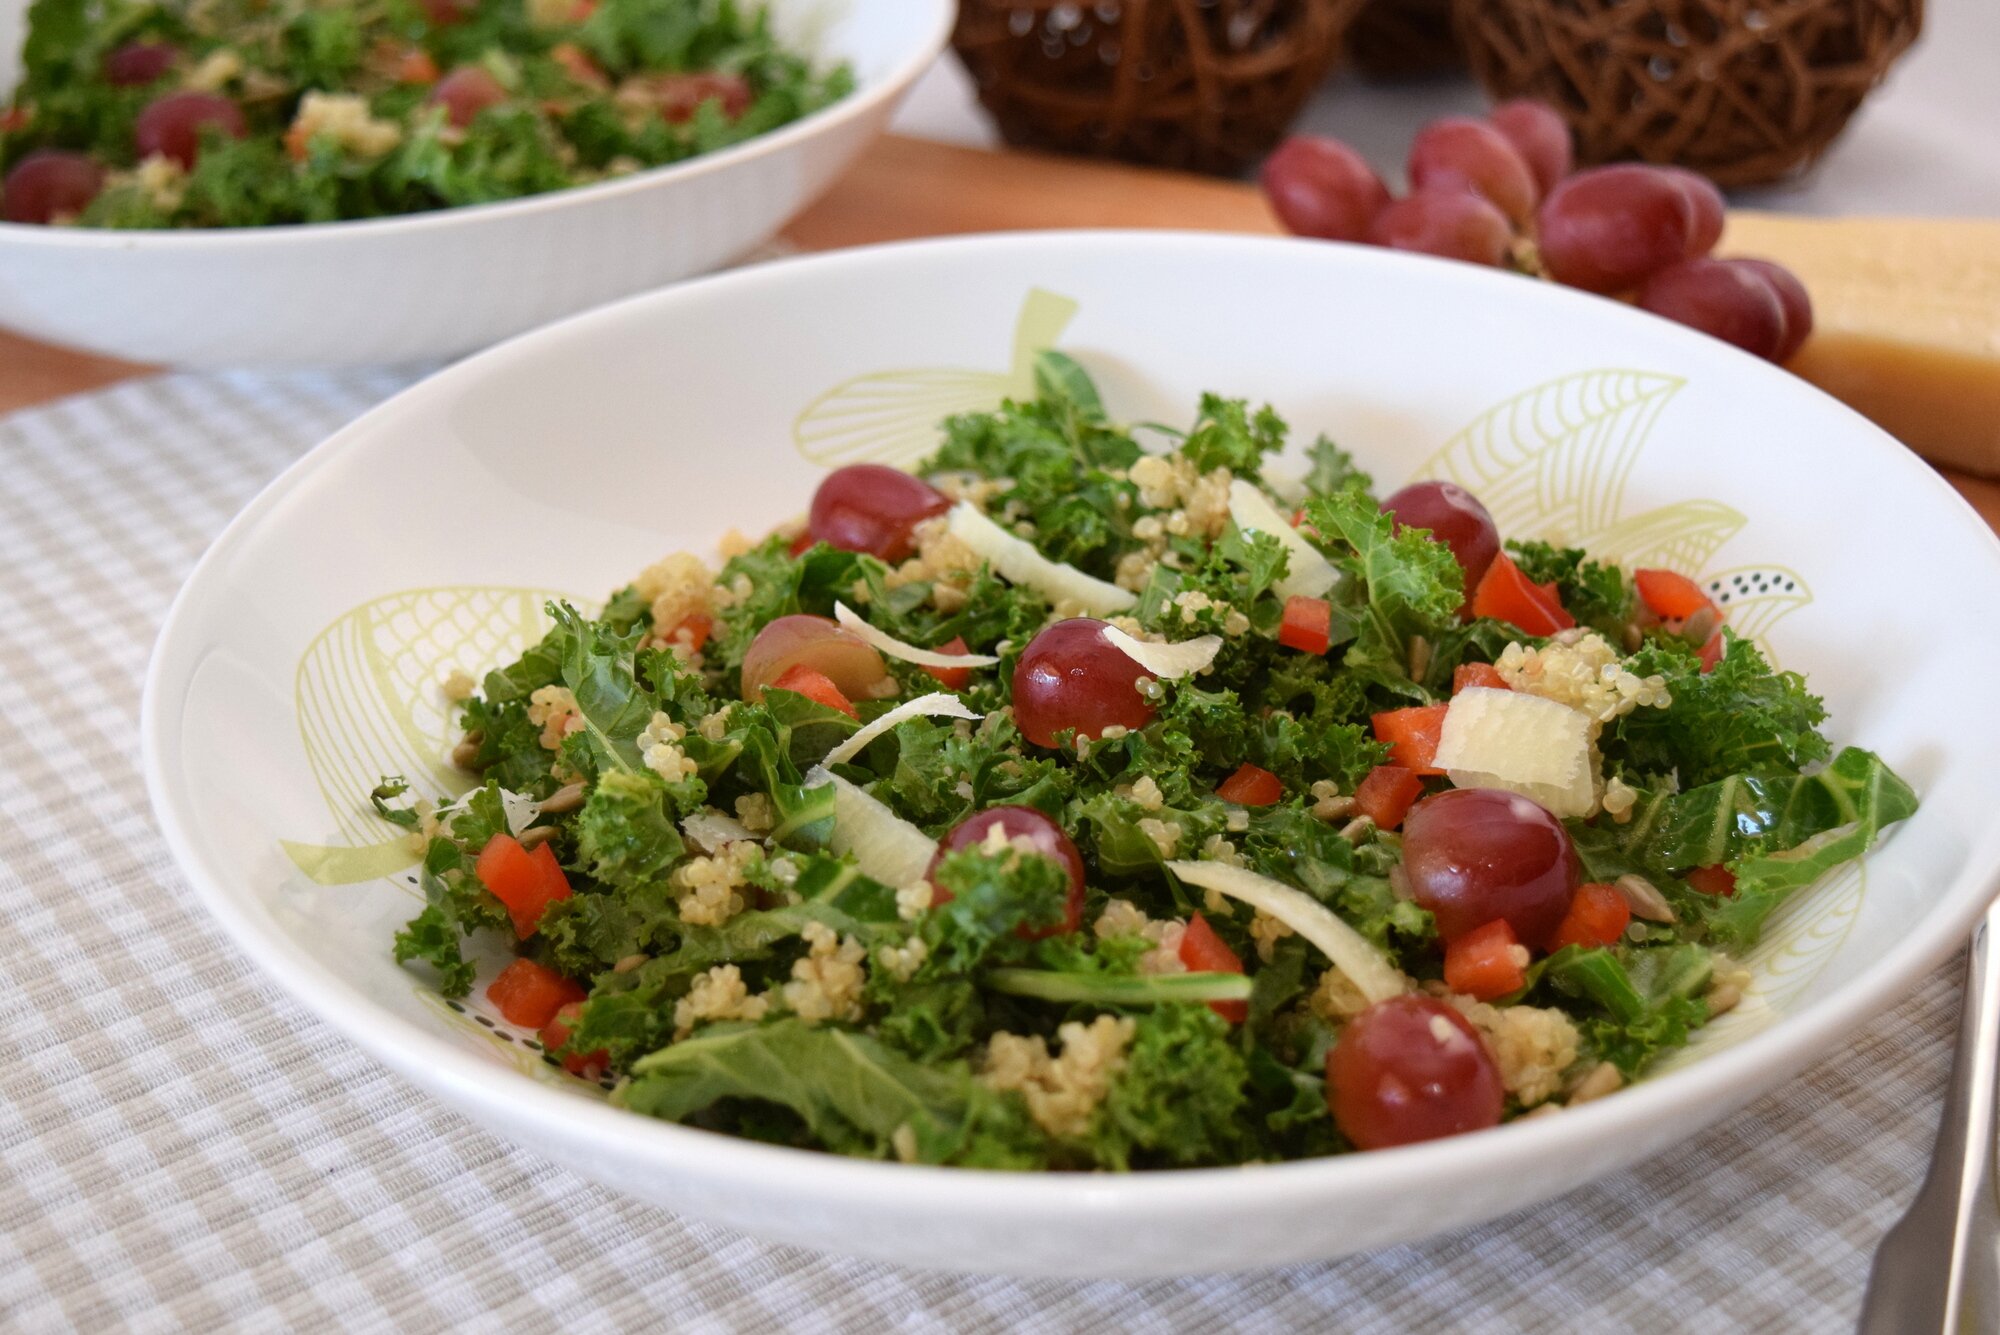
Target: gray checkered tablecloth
(181, 1146)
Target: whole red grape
(1722, 298)
(1411, 1069)
(137, 64)
(47, 184)
(1609, 228)
(173, 125)
(1539, 135)
(872, 508)
(1792, 296)
(1070, 676)
(1473, 855)
(1321, 187)
(1707, 203)
(1445, 220)
(1458, 150)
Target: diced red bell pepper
(1486, 962)
(527, 883)
(816, 686)
(578, 65)
(1716, 880)
(1387, 794)
(1205, 952)
(1250, 786)
(529, 995)
(1307, 625)
(1597, 916)
(694, 629)
(1412, 736)
(1505, 594)
(953, 678)
(1669, 596)
(415, 66)
(1477, 674)
(556, 1032)
(1711, 652)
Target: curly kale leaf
(1331, 469)
(854, 1094)
(1397, 585)
(1066, 467)
(993, 896)
(626, 835)
(1180, 1097)
(1227, 434)
(1742, 718)
(457, 906)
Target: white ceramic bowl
(301, 659)
(438, 284)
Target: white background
(1927, 142)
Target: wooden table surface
(901, 188)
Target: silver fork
(1938, 1269)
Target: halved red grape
(1722, 298)
(1539, 135)
(1472, 855)
(1455, 518)
(1070, 676)
(1411, 1069)
(445, 13)
(1607, 229)
(1445, 220)
(136, 64)
(47, 184)
(1792, 296)
(1321, 187)
(1048, 839)
(1457, 150)
(173, 125)
(681, 95)
(874, 509)
(818, 643)
(465, 92)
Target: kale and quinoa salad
(1069, 803)
(246, 113)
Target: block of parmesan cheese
(1906, 322)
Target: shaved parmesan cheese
(938, 704)
(1520, 743)
(1365, 966)
(909, 653)
(709, 829)
(883, 844)
(1018, 562)
(1307, 573)
(1169, 662)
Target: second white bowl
(443, 283)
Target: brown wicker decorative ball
(1206, 85)
(1744, 91)
(1404, 39)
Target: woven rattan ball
(1745, 91)
(1207, 85)
(1404, 39)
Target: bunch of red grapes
(1502, 191)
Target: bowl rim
(1721, 1080)
(856, 105)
